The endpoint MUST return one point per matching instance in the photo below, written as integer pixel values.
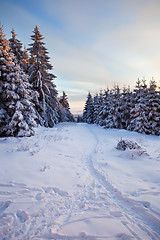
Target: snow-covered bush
(131, 148)
(127, 144)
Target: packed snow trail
(71, 183)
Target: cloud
(122, 37)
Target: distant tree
(65, 114)
(64, 101)
(79, 119)
(17, 116)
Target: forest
(137, 110)
(28, 94)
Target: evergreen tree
(64, 101)
(104, 109)
(15, 46)
(153, 108)
(25, 60)
(17, 116)
(139, 113)
(88, 110)
(20, 56)
(41, 80)
(126, 103)
(114, 117)
(65, 114)
(98, 107)
(109, 120)
(79, 119)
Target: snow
(70, 182)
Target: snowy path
(71, 183)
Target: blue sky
(92, 43)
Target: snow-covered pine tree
(88, 110)
(20, 55)
(64, 101)
(15, 46)
(42, 81)
(153, 108)
(139, 113)
(79, 119)
(17, 116)
(105, 107)
(98, 108)
(113, 119)
(125, 106)
(108, 121)
(64, 113)
(25, 60)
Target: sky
(92, 44)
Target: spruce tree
(17, 117)
(139, 113)
(105, 107)
(96, 108)
(109, 119)
(41, 80)
(25, 60)
(99, 107)
(153, 108)
(125, 107)
(64, 109)
(20, 55)
(88, 110)
(64, 101)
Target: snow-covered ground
(71, 183)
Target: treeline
(137, 110)
(28, 95)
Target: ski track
(41, 213)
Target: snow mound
(132, 146)
(127, 144)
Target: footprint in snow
(22, 216)
(116, 214)
(4, 205)
(39, 197)
(53, 190)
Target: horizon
(91, 44)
